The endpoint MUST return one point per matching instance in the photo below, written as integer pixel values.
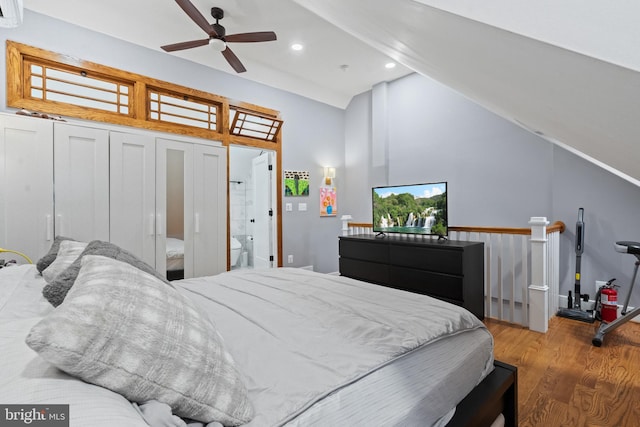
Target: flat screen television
(411, 209)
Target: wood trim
(360, 224)
(277, 148)
(17, 86)
(279, 185)
(556, 226)
(246, 106)
(244, 140)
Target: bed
(292, 348)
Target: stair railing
(522, 277)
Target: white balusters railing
(520, 286)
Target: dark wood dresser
(449, 270)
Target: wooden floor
(565, 381)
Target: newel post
(345, 224)
(538, 289)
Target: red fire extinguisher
(608, 302)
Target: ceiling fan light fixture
(218, 37)
(218, 44)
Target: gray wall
(499, 174)
(312, 135)
(611, 211)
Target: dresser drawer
(364, 270)
(430, 283)
(441, 260)
(363, 250)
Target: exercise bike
(625, 248)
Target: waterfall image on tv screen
(411, 209)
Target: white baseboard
(563, 302)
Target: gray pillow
(46, 260)
(125, 330)
(57, 289)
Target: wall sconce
(329, 175)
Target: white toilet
(236, 250)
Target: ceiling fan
(217, 35)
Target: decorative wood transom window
(251, 124)
(48, 82)
(181, 109)
(69, 86)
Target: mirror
(175, 214)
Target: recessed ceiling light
(390, 65)
(297, 46)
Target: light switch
(288, 207)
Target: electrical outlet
(290, 259)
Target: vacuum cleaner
(574, 309)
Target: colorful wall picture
(296, 183)
(328, 198)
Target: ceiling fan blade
(233, 60)
(262, 36)
(184, 45)
(197, 17)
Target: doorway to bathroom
(252, 202)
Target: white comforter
(302, 340)
(300, 336)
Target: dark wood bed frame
(175, 275)
(496, 394)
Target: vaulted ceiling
(568, 71)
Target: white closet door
(174, 200)
(26, 186)
(210, 210)
(81, 179)
(133, 193)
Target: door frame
(276, 149)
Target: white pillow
(68, 252)
(27, 379)
(50, 256)
(127, 331)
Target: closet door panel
(210, 210)
(26, 193)
(174, 200)
(132, 194)
(81, 182)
